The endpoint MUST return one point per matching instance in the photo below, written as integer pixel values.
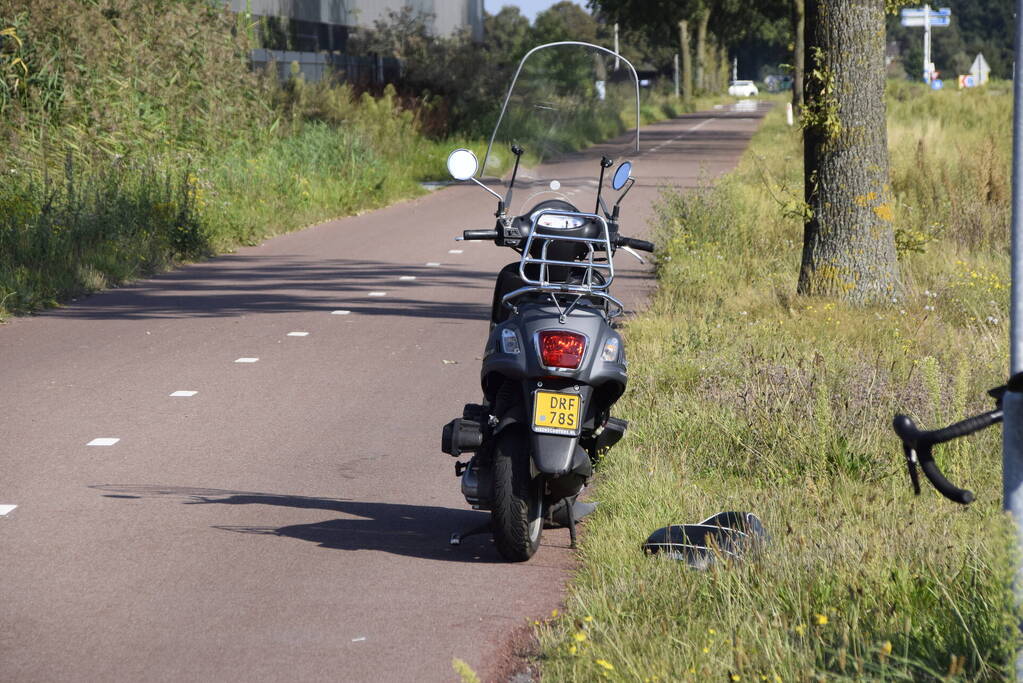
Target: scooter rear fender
(552, 454)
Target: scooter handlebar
(479, 235)
(641, 245)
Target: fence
(316, 66)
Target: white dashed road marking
(4, 509)
(378, 293)
(668, 142)
(454, 251)
(432, 264)
(247, 360)
(407, 278)
(359, 639)
(184, 393)
(103, 441)
(340, 312)
(298, 334)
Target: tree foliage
(467, 79)
(758, 32)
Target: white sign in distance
(979, 69)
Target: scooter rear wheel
(517, 513)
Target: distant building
(318, 25)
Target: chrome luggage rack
(590, 287)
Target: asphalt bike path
(232, 471)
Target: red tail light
(562, 349)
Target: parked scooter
(553, 366)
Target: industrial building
(323, 25)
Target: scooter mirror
(620, 178)
(462, 164)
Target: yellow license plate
(555, 413)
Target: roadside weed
(746, 397)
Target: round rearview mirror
(462, 164)
(620, 177)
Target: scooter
(553, 365)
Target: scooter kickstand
(571, 522)
(456, 538)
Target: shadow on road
(245, 285)
(411, 530)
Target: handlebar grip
(967, 426)
(944, 486)
(914, 440)
(642, 245)
(479, 235)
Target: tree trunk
(724, 73)
(701, 48)
(798, 22)
(687, 62)
(848, 241)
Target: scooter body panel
(598, 382)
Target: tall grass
(136, 137)
(745, 397)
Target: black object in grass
(726, 535)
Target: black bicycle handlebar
(479, 235)
(633, 243)
(917, 446)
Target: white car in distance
(743, 89)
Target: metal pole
(1012, 425)
(927, 43)
(676, 75)
(735, 68)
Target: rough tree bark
(798, 21)
(848, 241)
(703, 19)
(723, 70)
(687, 62)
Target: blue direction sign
(914, 16)
(936, 20)
(915, 12)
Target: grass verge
(745, 397)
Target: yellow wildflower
(822, 619)
(580, 637)
(801, 629)
(605, 664)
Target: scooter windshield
(569, 105)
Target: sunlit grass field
(744, 396)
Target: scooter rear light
(562, 349)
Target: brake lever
(633, 252)
(911, 466)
